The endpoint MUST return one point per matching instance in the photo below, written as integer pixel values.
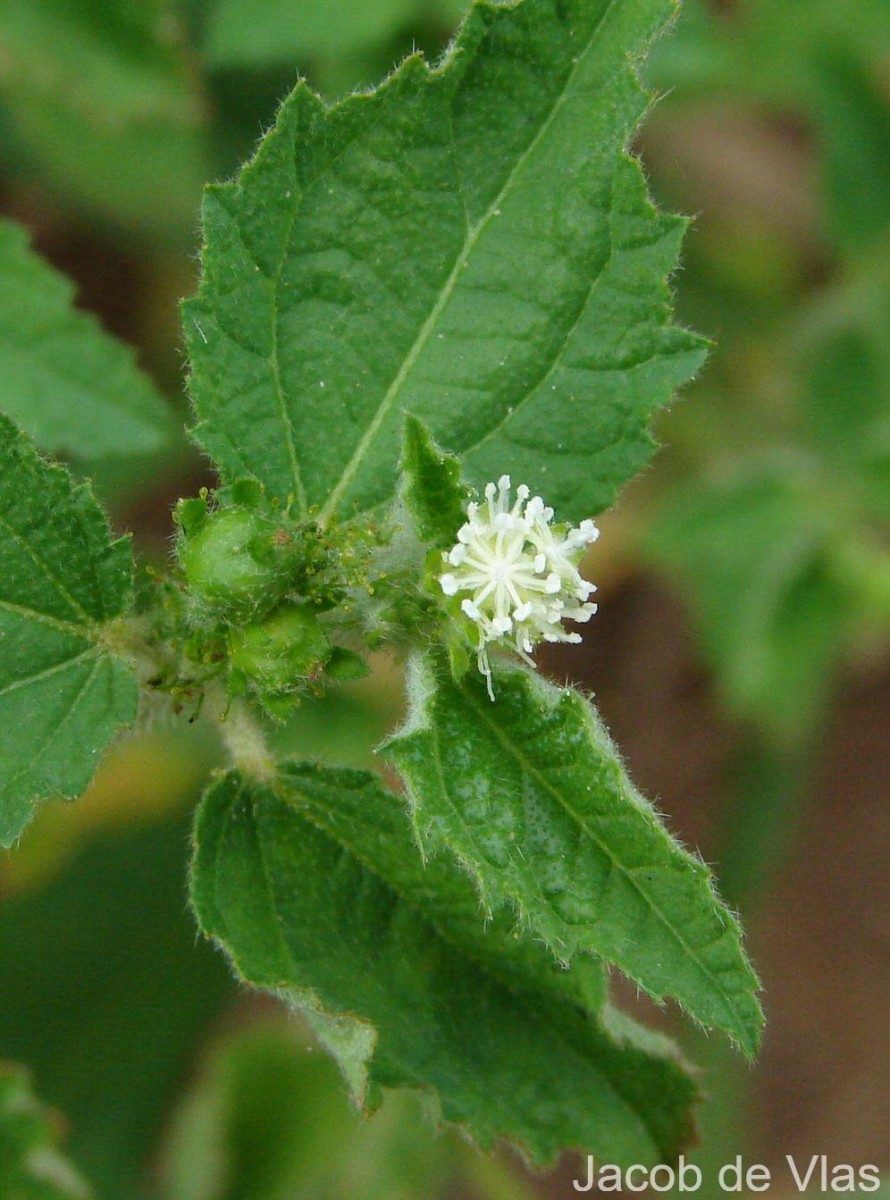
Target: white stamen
(520, 575)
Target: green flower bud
(282, 653)
(237, 562)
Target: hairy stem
(243, 738)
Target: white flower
(519, 572)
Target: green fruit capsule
(237, 562)
(281, 653)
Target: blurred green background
(740, 654)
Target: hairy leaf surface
(74, 388)
(62, 578)
(530, 794)
(431, 487)
(470, 243)
(315, 889)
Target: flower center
(519, 575)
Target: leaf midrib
(275, 364)
(42, 618)
(65, 665)
(514, 750)
(472, 237)
(54, 732)
(521, 996)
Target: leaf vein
(448, 288)
(44, 568)
(56, 729)
(49, 671)
(514, 750)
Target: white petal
(449, 584)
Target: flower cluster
(520, 573)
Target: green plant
(453, 279)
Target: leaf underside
(530, 794)
(62, 578)
(469, 243)
(315, 889)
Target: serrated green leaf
(431, 487)
(73, 387)
(530, 794)
(352, 807)
(63, 694)
(102, 102)
(470, 244)
(31, 1166)
(315, 889)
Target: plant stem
(243, 738)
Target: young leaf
(31, 1167)
(530, 794)
(431, 487)
(339, 916)
(469, 243)
(62, 693)
(74, 388)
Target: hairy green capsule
(238, 562)
(282, 653)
